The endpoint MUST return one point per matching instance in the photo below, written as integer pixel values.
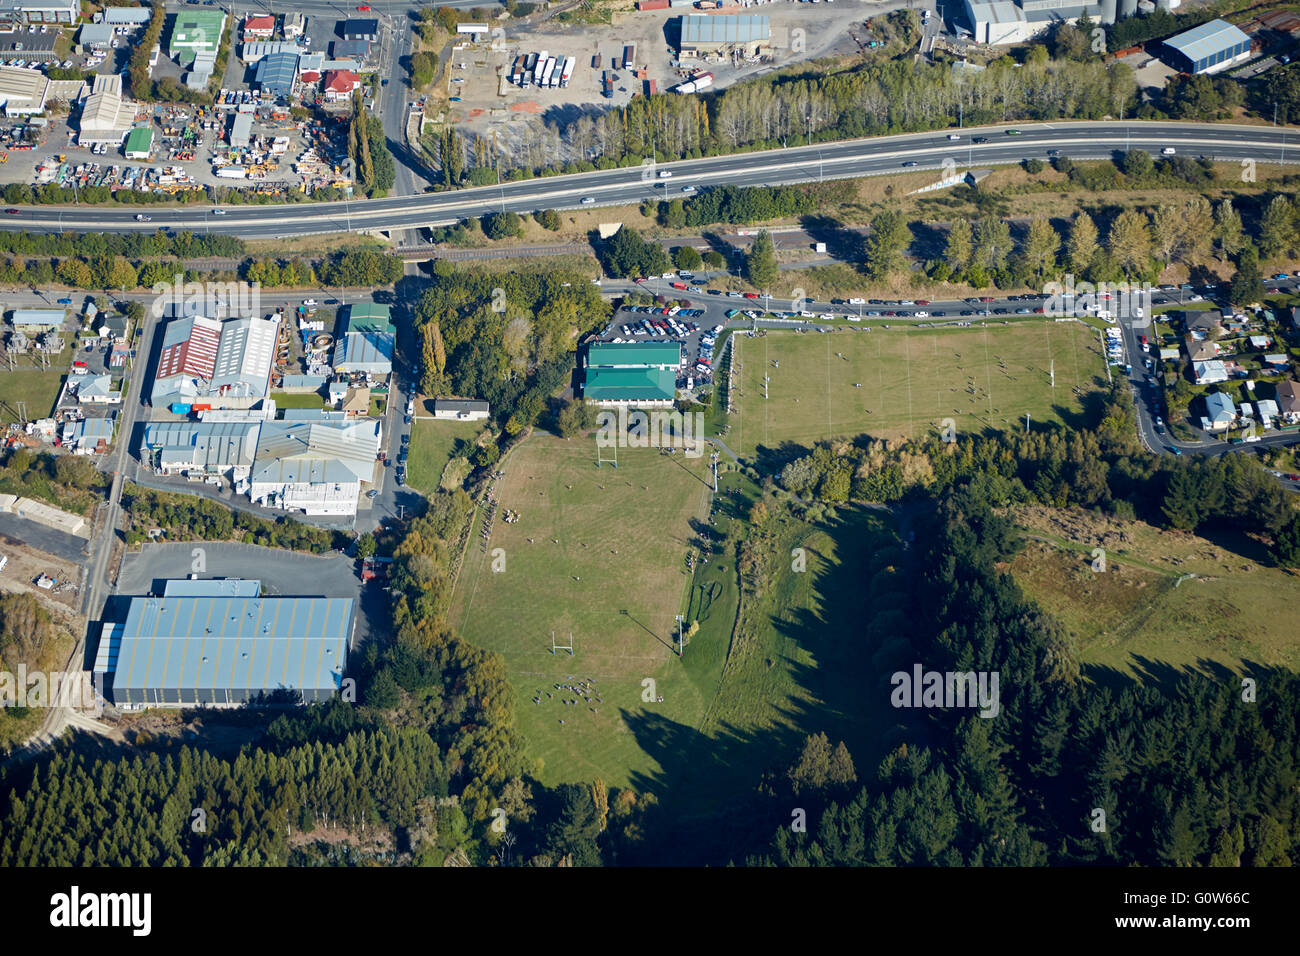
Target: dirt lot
(27, 564)
(799, 32)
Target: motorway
(931, 151)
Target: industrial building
(350, 50)
(314, 467)
(23, 92)
(1208, 48)
(220, 643)
(643, 374)
(252, 53)
(195, 32)
(37, 321)
(241, 130)
(366, 340)
(39, 11)
(1002, 22)
(133, 17)
(105, 116)
(276, 72)
(361, 29)
(223, 363)
(95, 37)
(223, 449)
(713, 35)
(139, 143)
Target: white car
(1168, 151)
(921, 315)
(308, 301)
(857, 301)
(587, 200)
(665, 174)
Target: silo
(1108, 12)
(1146, 7)
(1127, 8)
(1166, 5)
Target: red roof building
(339, 84)
(259, 28)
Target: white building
(317, 468)
(105, 116)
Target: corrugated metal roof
(369, 315)
(233, 643)
(1202, 42)
(630, 384)
(364, 351)
(316, 452)
(725, 29)
(635, 353)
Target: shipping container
(541, 66)
(606, 85)
(567, 75)
(595, 62)
(652, 5)
(179, 409)
(651, 87)
(547, 71)
(201, 408)
(629, 56)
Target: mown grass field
(432, 444)
(741, 699)
(984, 379)
(599, 553)
(38, 388)
(1134, 619)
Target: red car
(1142, 339)
(922, 301)
(986, 298)
(12, 212)
(364, 8)
(751, 295)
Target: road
(931, 151)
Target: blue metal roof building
(220, 644)
(1209, 47)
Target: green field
(1138, 614)
(984, 379)
(39, 389)
(432, 444)
(298, 400)
(607, 564)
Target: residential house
(1220, 413)
(1209, 321)
(339, 84)
(259, 27)
(1208, 373)
(98, 390)
(1276, 361)
(459, 409)
(1200, 349)
(1288, 400)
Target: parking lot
(281, 572)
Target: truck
(547, 70)
(629, 56)
(567, 74)
(606, 85)
(540, 67)
(696, 83)
(679, 285)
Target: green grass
(984, 379)
(1138, 616)
(39, 389)
(295, 400)
(607, 564)
(742, 698)
(432, 444)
